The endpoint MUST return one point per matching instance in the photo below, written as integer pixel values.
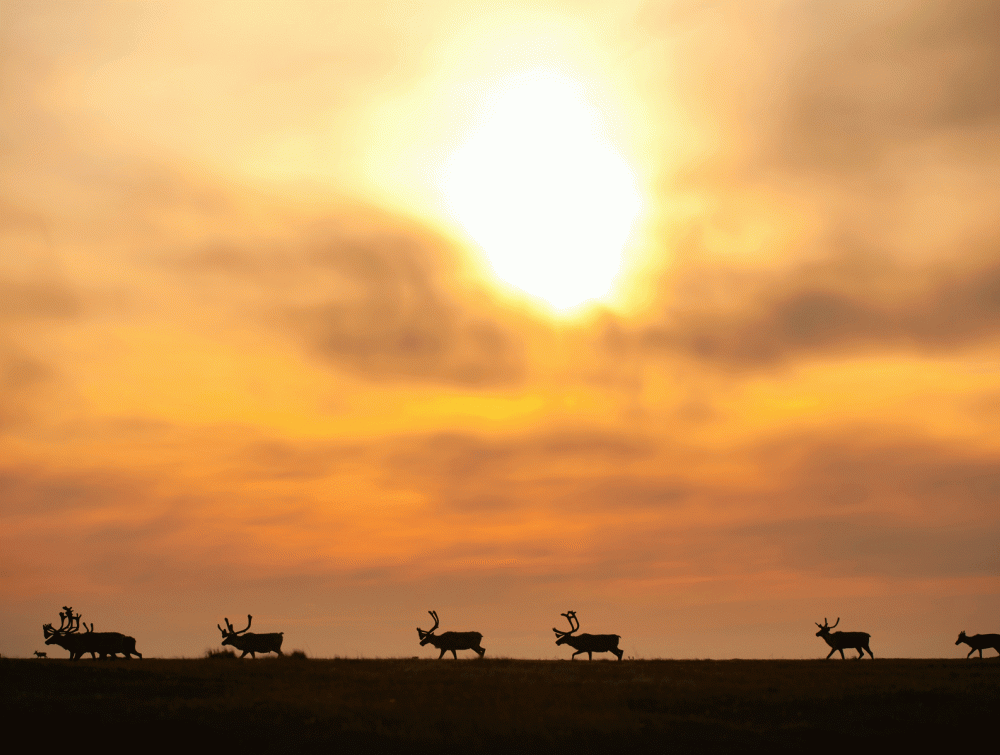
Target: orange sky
(250, 364)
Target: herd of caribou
(111, 644)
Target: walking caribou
(587, 643)
(979, 642)
(249, 642)
(451, 640)
(68, 636)
(841, 640)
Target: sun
(544, 192)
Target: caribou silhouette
(451, 641)
(586, 643)
(250, 642)
(979, 642)
(69, 637)
(840, 640)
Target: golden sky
(252, 361)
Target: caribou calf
(587, 643)
(979, 642)
(451, 641)
(252, 643)
(841, 640)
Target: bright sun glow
(544, 193)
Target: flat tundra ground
(500, 705)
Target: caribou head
(425, 636)
(232, 634)
(824, 628)
(574, 625)
(69, 623)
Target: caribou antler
(437, 623)
(249, 622)
(68, 622)
(232, 632)
(571, 615)
(571, 618)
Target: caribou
(40, 654)
(586, 643)
(249, 642)
(979, 642)
(840, 640)
(451, 640)
(69, 637)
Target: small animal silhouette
(979, 642)
(39, 654)
(587, 643)
(249, 642)
(840, 640)
(451, 641)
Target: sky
(251, 361)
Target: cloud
(22, 377)
(379, 297)
(881, 468)
(539, 472)
(37, 299)
(839, 309)
(876, 80)
(837, 86)
(876, 546)
(839, 158)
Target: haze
(250, 363)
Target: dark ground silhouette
(501, 706)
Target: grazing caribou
(586, 643)
(841, 640)
(451, 640)
(979, 642)
(69, 637)
(252, 643)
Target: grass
(504, 705)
